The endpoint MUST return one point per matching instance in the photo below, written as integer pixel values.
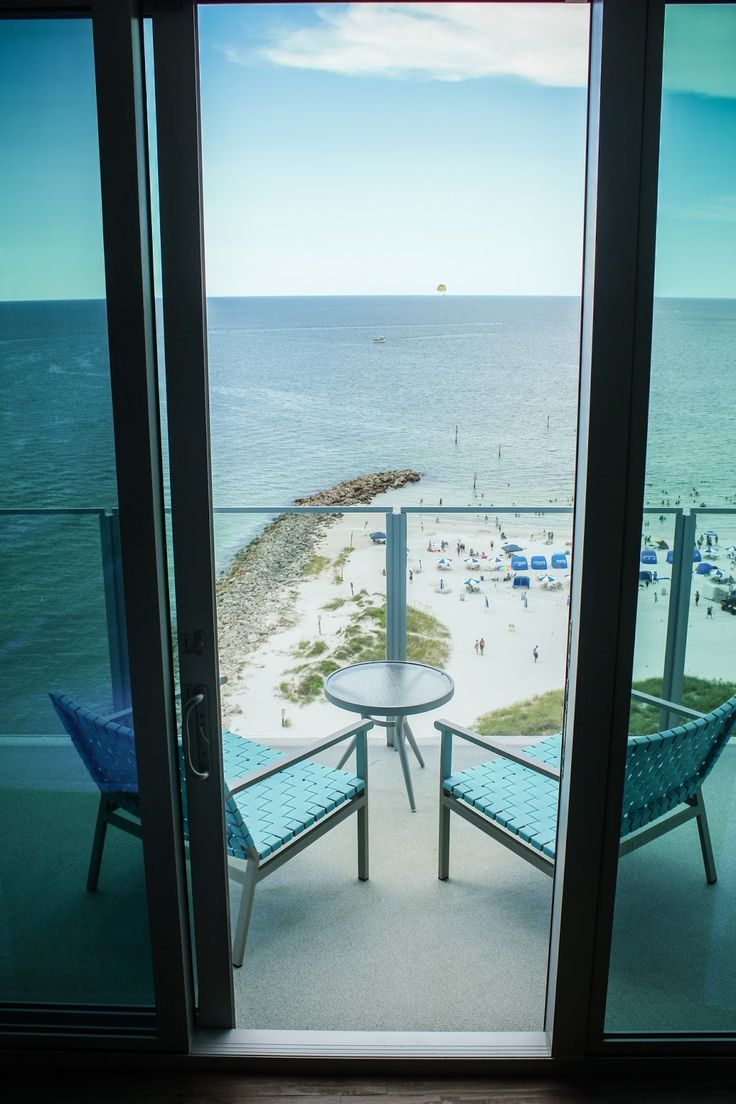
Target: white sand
(504, 674)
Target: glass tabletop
(389, 688)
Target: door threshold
(424, 1045)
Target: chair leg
(244, 912)
(98, 844)
(443, 872)
(363, 842)
(705, 845)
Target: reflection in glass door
(673, 946)
(75, 921)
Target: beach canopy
(521, 581)
(704, 568)
(645, 577)
(710, 533)
(500, 559)
(445, 562)
(511, 548)
(378, 537)
(649, 556)
(519, 563)
(559, 560)
(539, 563)
(696, 556)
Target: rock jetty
(255, 591)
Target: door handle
(198, 746)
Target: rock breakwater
(256, 591)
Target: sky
(376, 149)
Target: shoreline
(256, 591)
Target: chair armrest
(299, 756)
(673, 707)
(499, 749)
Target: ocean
(465, 389)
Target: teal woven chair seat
(514, 798)
(275, 803)
(284, 806)
(510, 794)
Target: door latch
(197, 744)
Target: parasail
(442, 288)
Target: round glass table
(394, 690)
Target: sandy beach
(321, 564)
(304, 612)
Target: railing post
(678, 612)
(117, 636)
(396, 586)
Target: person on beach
(535, 653)
(709, 611)
(411, 576)
(476, 647)
(697, 598)
(482, 645)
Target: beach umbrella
(378, 537)
(444, 562)
(546, 579)
(472, 561)
(472, 584)
(710, 533)
(704, 569)
(732, 550)
(662, 544)
(511, 548)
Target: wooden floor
(209, 1088)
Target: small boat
(379, 340)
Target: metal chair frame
(692, 808)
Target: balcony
(400, 952)
(466, 955)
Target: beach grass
(542, 714)
(363, 640)
(315, 565)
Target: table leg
(413, 743)
(405, 763)
(348, 753)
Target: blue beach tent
(539, 563)
(519, 563)
(559, 560)
(521, 581)
(696, 556)
(704, 568)
(649, 556)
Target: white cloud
(543, 43)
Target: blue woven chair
(514, 798)
(281, 804)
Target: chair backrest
(667, 768)
(106, 748)
(240, 843)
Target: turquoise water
(302, 396)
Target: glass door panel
(71, 933)
(673, 952)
